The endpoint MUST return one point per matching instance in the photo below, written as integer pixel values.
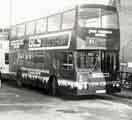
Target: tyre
(19, 79)
(19, 83)
(53, 86)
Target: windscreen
(98, 18)
(88, 60)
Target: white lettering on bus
(35, 70)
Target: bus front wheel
(19, 79)
(19, 83)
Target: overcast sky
(23, 10)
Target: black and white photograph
(65, 60)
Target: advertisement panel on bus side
(59, 40)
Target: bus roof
(108, 7)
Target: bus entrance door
(109, 63)
(110, 66)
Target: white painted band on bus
(42, 78)
(35, 70)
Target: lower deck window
(67, 63)
(6, 58)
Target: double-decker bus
(74, 52)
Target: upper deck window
(13, 32)
(30, 28)
(98, 18)
(68, 19)
(54, 23)
(41, 26)
(89, 17)
(109, 19)
(21, 30)
(6, 30)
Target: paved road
(27, 104)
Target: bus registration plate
(100, 91)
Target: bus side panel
(66, 74)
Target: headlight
(80, 78)
(114, 85)
(117, 84)
(80, 87)
(85, 86)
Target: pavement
(29, 104)
(125, 93)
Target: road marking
(25, 105)
(8, 94)
(5, 93)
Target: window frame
(81, 56)
(100, 17)
(13, 30)
(66, 61)
(18, 27)
(59, 25)
(6, 58)
(74, 21)
(27, 28)
(45, 26)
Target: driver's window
(88, 60)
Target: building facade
(125, 16)
(4, 50)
